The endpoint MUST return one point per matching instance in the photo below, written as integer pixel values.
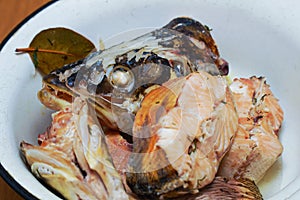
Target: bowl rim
(3, 172)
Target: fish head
(117, 79)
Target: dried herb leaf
(52, 48)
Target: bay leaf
(52, 48)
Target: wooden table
(13, 12)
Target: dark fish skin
(195, 29)
(220, 189)
(227, 189)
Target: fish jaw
(96, 152)
(54, 168)
(69, 159)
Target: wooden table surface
(13, 12)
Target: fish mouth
(55, 98)
(110, 109)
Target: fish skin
(225, 189)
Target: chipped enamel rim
(257, 38)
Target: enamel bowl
(259, 38)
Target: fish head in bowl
(250, 36)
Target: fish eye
(122, 78)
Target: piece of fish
(73, 157)
(181, 133)
(256, 146)
(224, 189)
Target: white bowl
(257, 38)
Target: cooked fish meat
(181, 133)
(256, 146)
(73, 157)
